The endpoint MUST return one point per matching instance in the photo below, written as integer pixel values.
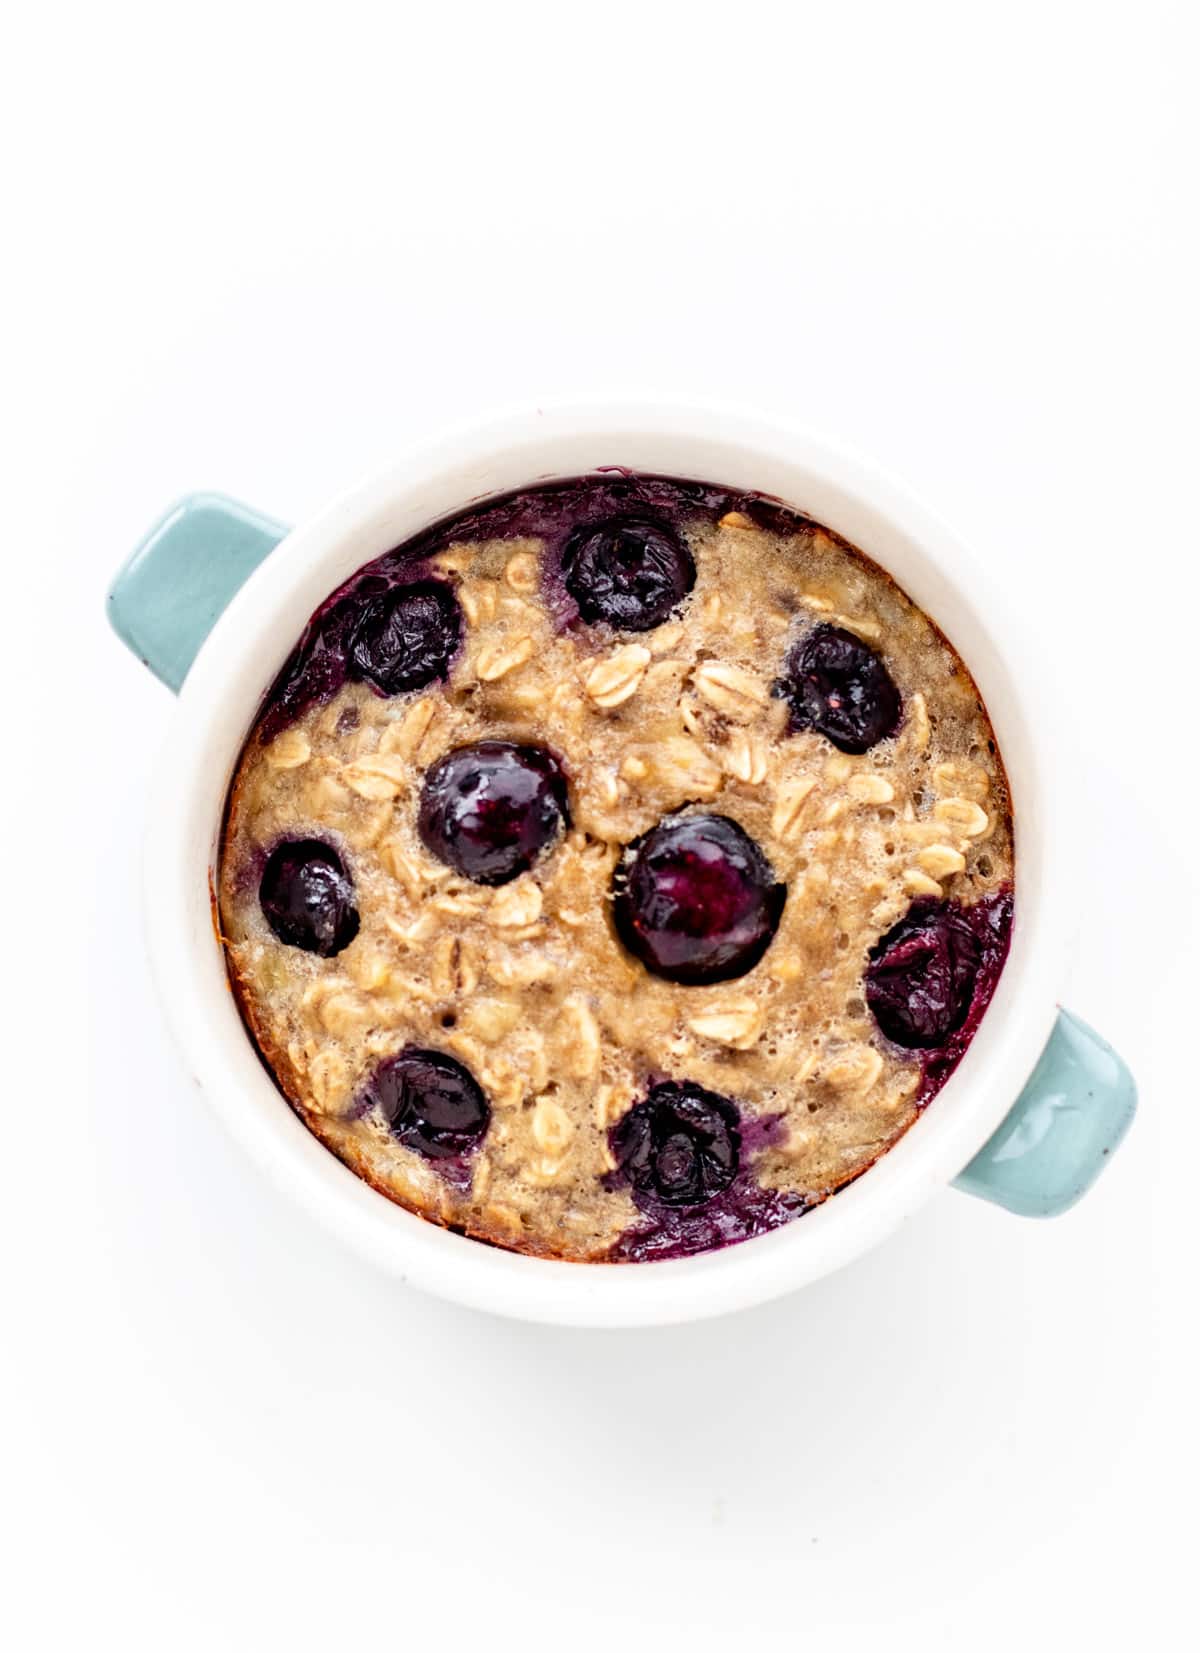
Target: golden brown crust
(527, 984)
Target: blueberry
(835, 684)
(678, 1148)
(488, 810)
(920, 978)
(696, 899)
(406, 637)
(430, 1102)
(307, 897)
(631, 574)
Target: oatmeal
(617, 870)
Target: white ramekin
(247, 645)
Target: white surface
(495, 455)
(263, 256)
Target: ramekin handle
(1061, 1131)
(170, 593)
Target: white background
(261, 249)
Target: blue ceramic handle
(169, 595)
(1061, 1131)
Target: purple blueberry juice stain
(745, 1211)
(686, 1156)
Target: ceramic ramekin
(215, 597)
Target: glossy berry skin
(696, 900)
(920, 978)
(679, 1148)
(834, 683)
(488, 810)
(431, 1103)
(307, 897)
(630, 574)
(405, 638)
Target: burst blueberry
(696, 900)
(307, 897)
(631, 574)
(430, 1102)
(679, 1148)
(836, 684)
(920, 977)
(490, 809)
(406, 638)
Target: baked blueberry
(631, 574)
(307, 897)
(488, 810)
(834, 683)
(696, 900)
(678, 1148)
(920, 977)
(431, 1103)
(405, 638)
